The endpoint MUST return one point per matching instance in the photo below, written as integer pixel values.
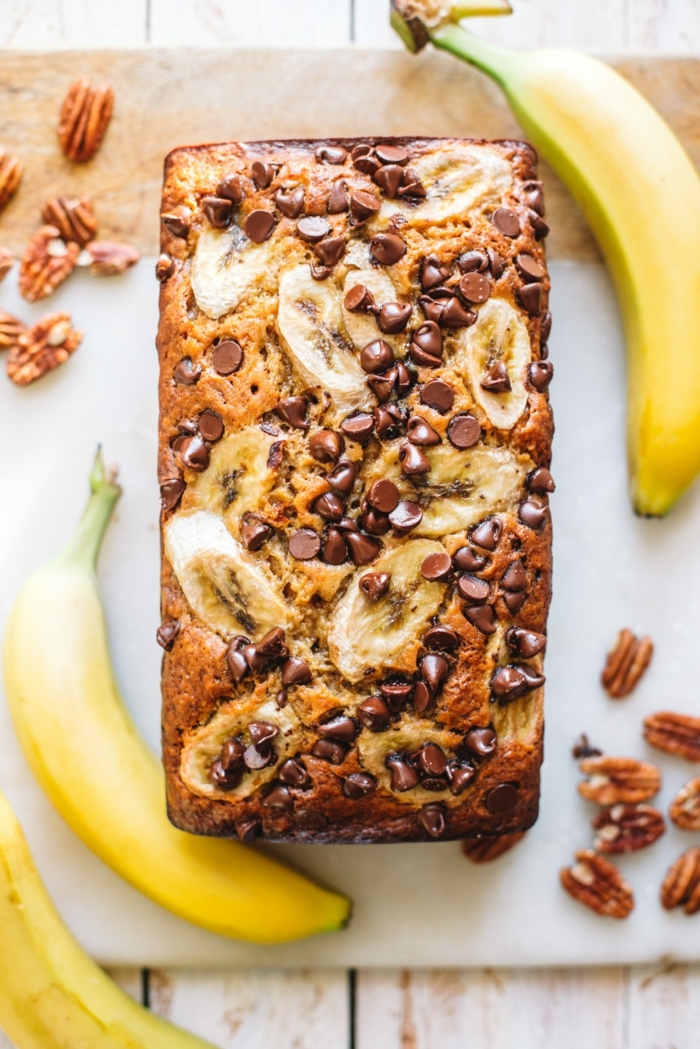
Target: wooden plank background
(617, 1008)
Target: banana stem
(490, 58)
(83, 547)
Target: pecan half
(684, 810)
(613, 780)
(627, 828)
(483, 850)
(46, 263)
(681, 886)
(6, 262)
(597, 884)
(74, 219)
(11, 170)
(42, 348)
(674, 733)
(108, 258)
(85, 114)
(626, 663)
(10, 330)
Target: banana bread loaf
(354, 447)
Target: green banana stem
(83, 547)
(490, 58)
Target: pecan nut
(74, 219)
(85, 114)
(681, 886)
(108, 258)
(674, 733)
(46, 263)
(11, 170)
(6, 262)
(42, 348)
(685, 807)
(597, 884)
(615, 780)
(10, 330)
(627, 828)
(484, 850)
(626, 663)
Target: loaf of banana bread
(354, 461)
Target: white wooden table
(614, 1008)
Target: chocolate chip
(387, 248)
(514, 600)
(293, 773)
(419, 431)
(310, 819)
(487, 533)
(525, 643)
(496, 379)
(247, 828)
(347, 525)
(331, 155)
(254, 532)
(171, 493)
(405, 517)
(460, 776)
(383, 495)
(441, 637)
(514, 577)
(358, 784)
(382, 386)
(223, 778)
(496, 262)
(304, 544)
(533, 678)
(319, 272)
(411, 185)
(279, 798)
(256, 758)
(329, 750)
(482, 617)
(508, 683)
(502, 798)
(313, 228)
(293, 411)
(259, 225)
(374, 522)
(473, 261)
(529, 268)
(165, 267)
(437, 567)
(275, 454)
(454, 315)
(413, 460)
(330, 251)
(358, 427)
(540, 481)
(389, 177)
(360, 299)
(262, 174)
(342, 728)
(468, 560)
(403, 776)
(480, 741)
(375, 584)
(367, 164)
(397, 694)
(535, 196)
(429, 338)
(432, 272)
(262, 732)
(539, 226)
(475, 287)
(432, 820)
(186, 373)
(533, 514)
(434, 670)
(431, 760)
(377, 356)
(463, 430)
(238, 664)
(231, 188)
(374, 714)
(338, 198)
(232, 754)
(363, 548)
(363, 205)
(342, 478)
(272, 645)
(473, 589)
(329, 506)
(334, 550)
(291, 202)
(422, 358)
(391, 154)
(506, 221)
(545, 329)
(177, 221)
(393, 317)
(540, 375)
(211, 425)
(194, 453)
(438, 395)
(227, 357)
(384, 421)
(530, 297)
(166, 633)
(295, 672)
(326, 446)
(218, 210)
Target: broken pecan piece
(674, 733)
(614, 780)
(85, 114)
(108, 258)
(626, 663)
(10, 330)
(42, 348)
(597, 884)
(11, 170)
(627, 828)
(684, 810)
(6, 262)
(681, 886)
(483, 850)
(74, 219)
(46, 263)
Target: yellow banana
(52, 995)
(87, 754)
(641, 196)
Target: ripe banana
(88, 757)
(52, 995)
(226, 267)
(500, 334)
(641, 196)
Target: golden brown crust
(197, 684)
